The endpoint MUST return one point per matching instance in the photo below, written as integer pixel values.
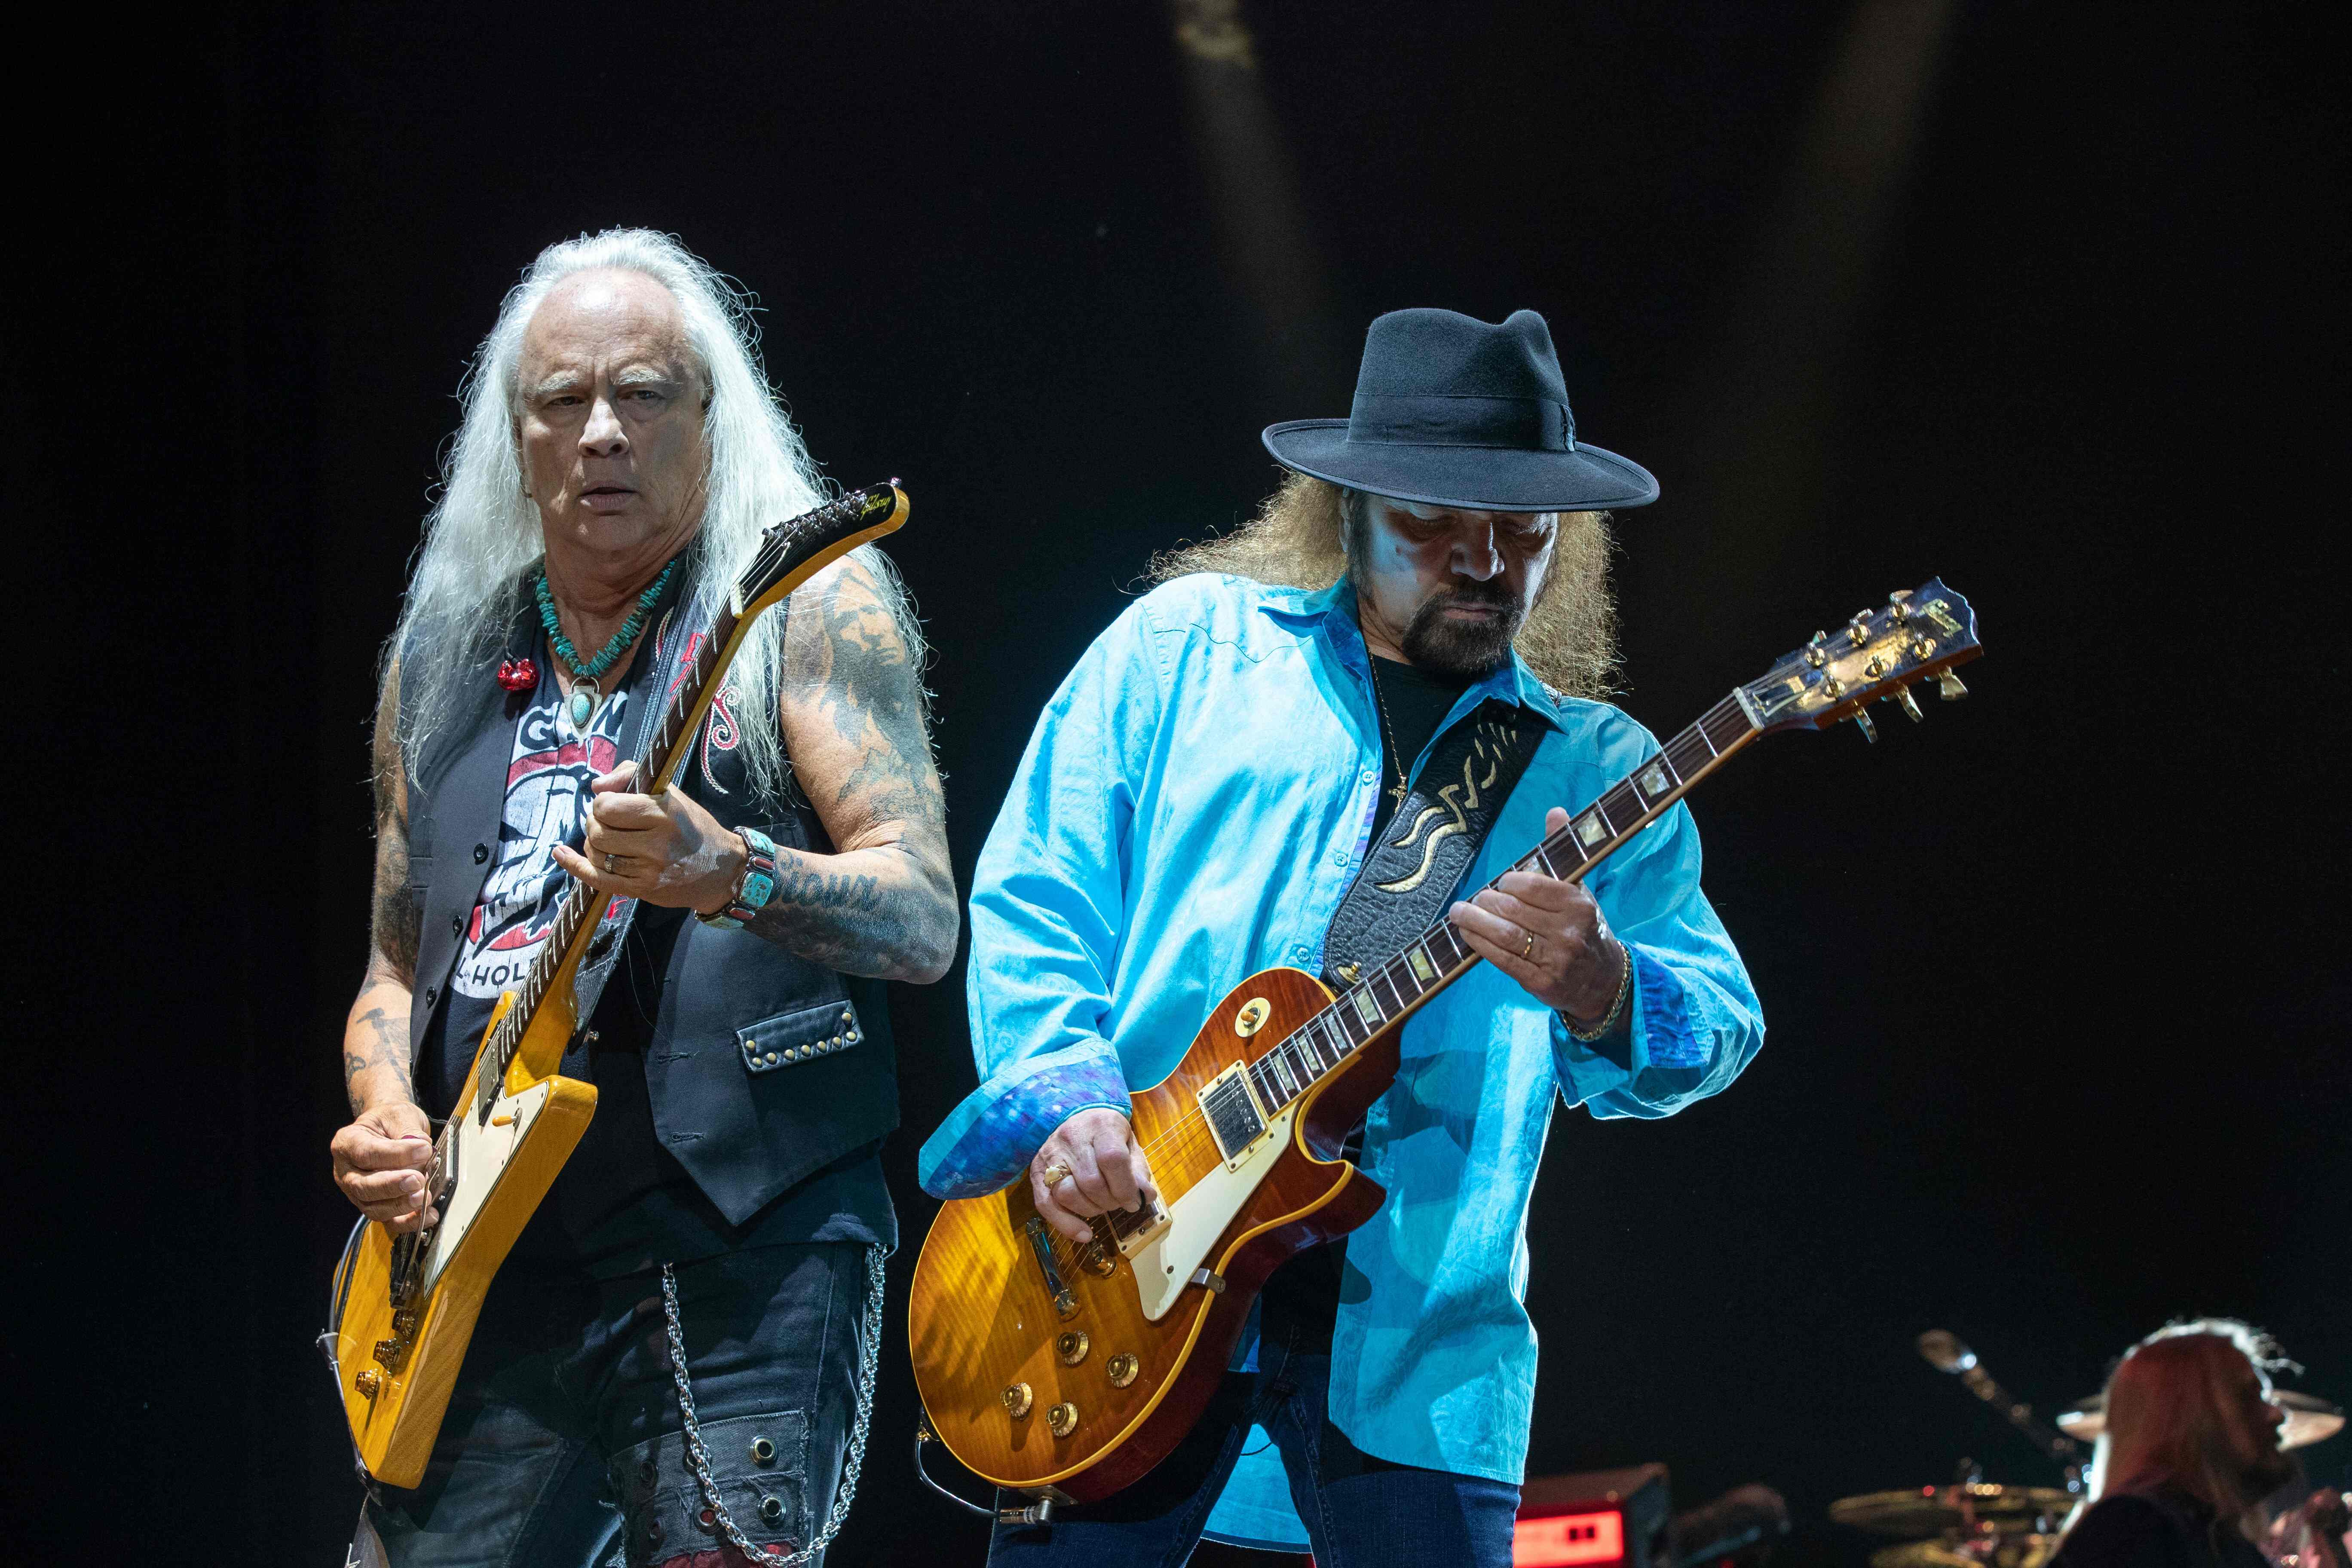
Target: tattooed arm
(852, 711)
(379, 1158)
(852, 715)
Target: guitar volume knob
(1017, 1400)
(1122, 1369)
(1072, 1347)
(1063, 1419)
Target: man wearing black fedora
(1297, 750)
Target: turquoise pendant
(584, 708)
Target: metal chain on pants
(698, 1457)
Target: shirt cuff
(998, 1129)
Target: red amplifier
(1597, 1519)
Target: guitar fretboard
(1393, 990)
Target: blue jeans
(561, 1448)
(1359, 1512)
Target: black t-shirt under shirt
(1302, 1296)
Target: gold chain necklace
(1387, 730)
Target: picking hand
(380, 1162)
(1097, 1167)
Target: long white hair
(483, 531)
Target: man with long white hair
(620, 454)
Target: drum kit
(1973, 1523)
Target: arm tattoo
(884, 905)
(398, 923)
(373, 1038)
(376, 1036)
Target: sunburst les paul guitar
(1065, 1371)
(405, 1307)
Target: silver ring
(608, 863)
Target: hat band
(1527, 423)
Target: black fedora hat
(1454, 411)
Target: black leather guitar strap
(1414, 867)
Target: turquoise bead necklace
(587, 689)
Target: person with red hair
(2192, 1445)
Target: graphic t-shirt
(547, 801)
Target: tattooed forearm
(854, 726)
(375, 1034)
(850, 920)
(398, 923)
(376, 1045)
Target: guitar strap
(1412, 871)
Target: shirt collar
(1331, 613)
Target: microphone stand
(1947, 1354)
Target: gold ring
(1051, 1175)
(1525, 954)
(608, 863)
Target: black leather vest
(763, 1067)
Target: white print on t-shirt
(547, 790)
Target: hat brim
(1483, 478)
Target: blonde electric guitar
(1065, 1371)
(403, 1307)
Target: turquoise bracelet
(758, 886)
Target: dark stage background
(2045, 298)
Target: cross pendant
(1397, 792)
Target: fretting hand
(1097, 1167)
(1550, 936)
(665, 849)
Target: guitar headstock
(1876, 657)
(833, 530)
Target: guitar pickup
(1232, 1114)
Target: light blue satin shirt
(1192, 807)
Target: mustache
(1490, 595)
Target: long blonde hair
(2167, 1407)
(1299, 539)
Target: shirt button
(481, 853)
(1369, 777)
(1339, 858)
(457, 925)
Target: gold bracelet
(1616, 1007)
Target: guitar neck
(714, 649)
(1394, 990)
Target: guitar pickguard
(479, 1154)
(1165, 1257)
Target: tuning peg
(1897, 597)
(1858, 628)
(1949, 687)
(1910, 704)
(1869, 731)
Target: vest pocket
(800, 1035)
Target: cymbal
(2010, 1552)
(2308, 1419)
(1931, 1510)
